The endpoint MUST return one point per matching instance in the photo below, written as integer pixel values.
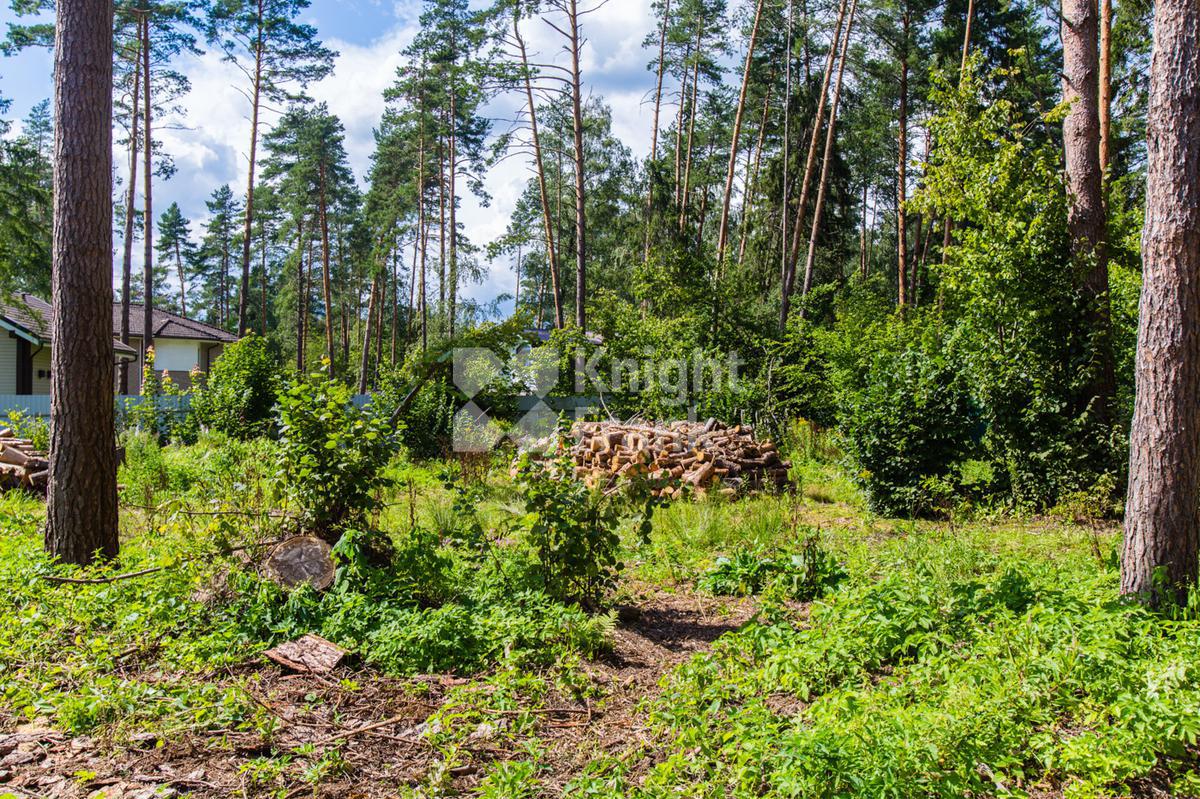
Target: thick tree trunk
(662, 61)
(1162, 516)
(793, 249)
(130, 214)
(255, 102)
(543, 195)
(148, 200)
(723, 229)
(81, 513)
(830, 136)
(1085, 211)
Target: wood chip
(309, 653)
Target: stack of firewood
(21, 466)
(679, 456)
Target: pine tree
(276, 53)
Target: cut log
(701, 455)
(301, 559)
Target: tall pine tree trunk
(1105, 88)
(130, 214)
(539, 164)
(301, 294)
(792, 251)
(662, 62)
(364, 364)
(255, 103)
(827, 157)
(1162, 510)
(326, 280)
(453, 201)
(902, 174)
(685, 193)
(752, 176)
(727, 197)
(81, 511)
(1085, 210)
(580, 187)
(147, 199)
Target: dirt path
(373, 724)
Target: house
(179, 343)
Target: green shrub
(239, 394)
(27, 425)
(331, 454)
(427, 424)
(803, 574)
(572, 530)
(910, 418)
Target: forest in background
(870, 203)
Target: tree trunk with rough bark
(1162, 516)
(1085, 211)
(81, 511)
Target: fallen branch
(50, 578)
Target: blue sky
(210, 146)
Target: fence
(39, 404)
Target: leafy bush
(803, 574)
(239, 394)
(572, 530)
(909, 419)
(331, 453)
(428, 421)
(27, 425)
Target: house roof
(170, 325)
(29, 317)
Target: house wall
(8, 363)
(41, 370)
(177, 355)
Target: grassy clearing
(983, 659)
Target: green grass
(983, 659)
